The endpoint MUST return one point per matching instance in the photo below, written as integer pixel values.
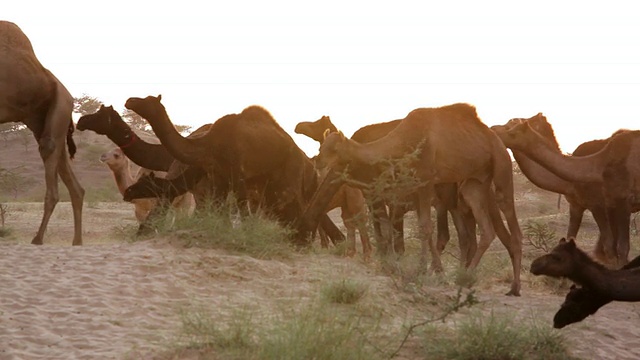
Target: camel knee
(46, 147)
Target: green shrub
(219, 227)
(494, 336)
(312, 333)
(343, 292)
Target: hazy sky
(360, 62)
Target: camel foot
(76, 243)
(350, 253)
(36, 241)
(515, 291)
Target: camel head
(114, 159)
(147, 107)
(564, 260)
(332, 152)
(316, 129)
(147, 186)
(101, 122)
(578, 304)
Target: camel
(566, 260)
(437, 136)
(243, 149)
(119, 165)
(580, 195)
(615, 167)
(446, 195)
(349, 199)
(581, 302)
(31, 94)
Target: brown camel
(437, 136)
(242, 149)
(31, 94)
(349, 199)
(580, 195)
(119, 165)
(566, 260)
(446, 198)
(615, 168)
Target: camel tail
(70, 143)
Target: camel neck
(144, 154)
(619, 285)
(541, 176)
(123, 178)
(570, 168)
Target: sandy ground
(113, 299)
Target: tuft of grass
(5, 232)
(201, 331)
(494, 336)
(318, 333)
(315, 332)
(218, 227)
(343, 292)
(466, 277)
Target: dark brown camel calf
(568, 261)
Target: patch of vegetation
(221, 227)
(343, 292)
(466, 278)
(540, 235)
(201, 331)
(315, 332)
(5, 232)
(494, 336)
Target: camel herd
(457, 164)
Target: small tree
(11, 181)
(9, 129)
(134, 120)
(86, 104)
(182, 129)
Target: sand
(113, 299)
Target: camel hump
(12, 37)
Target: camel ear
(159, 97)
(326, 133)
(562, 241)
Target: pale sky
(360, 62)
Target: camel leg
(397, 224)
(575, 219)
(50, 153)
(425, 198)
(324, 240)
(442, 227)
(475, 195)
(364, 236)
(513, 243)
(76, 193)
(620, 220)
(605, 249)
(465, 225)
(382, 225)
(351, 237)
